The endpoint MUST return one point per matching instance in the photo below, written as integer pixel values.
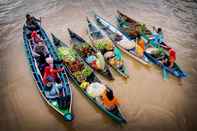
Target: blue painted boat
(60, 103)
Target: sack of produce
(104, 44)
(100, 44)
(96, 89)
(109, 44)
(100, 62)
(155, 51)
(109, 54)
(126, 44)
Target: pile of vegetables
(82, 47)
(69, 55)
(66, 54)
(79, 76)
(104, 44)
(82, 75)
(86, 71)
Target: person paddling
(50, 73)
(31, 22)
(172, 57)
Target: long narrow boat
(126, 45)
(97, 36)
(130, 23)
(90, 79)
(175, 70)
(65, 107)
(127, 25)
(80, 44)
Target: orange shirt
(109, 103)
(141, 44)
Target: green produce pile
(67, 54)
(104, 44)
(101, 44)
(87, 71)
(82, 75)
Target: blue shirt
(158, 38)
(117, 53)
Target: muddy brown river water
(148, 102)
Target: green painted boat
(96, 35)
(91, 78)
(79, 44)
(60, 103)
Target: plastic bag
(100, 61)
(126, 44)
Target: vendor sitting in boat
(91, 59)
(157, 37)
(35, 37)
(109, 101)
(169, 60)
(140, 47)
(51, 73)
(40, 52)
(102, 94)
(160, 55)
(95, 60)
(111, 53)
